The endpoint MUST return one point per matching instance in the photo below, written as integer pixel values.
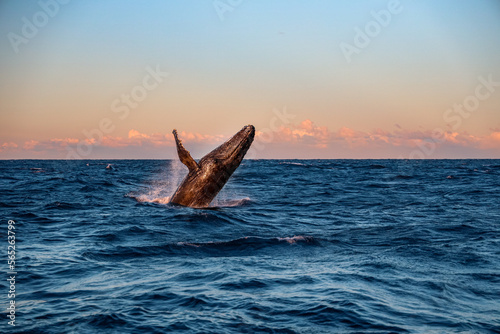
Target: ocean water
(288, 246)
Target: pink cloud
(134, 134)
(158, 139)
(303, 137)
(351, 137)
(134, 138)
(137, 138)
(492, 141)
(30, 145)
(63, 142)
(495, 136)
(8, 146)
(51, 144)
(306, 133)
(110, 141)
(190, 137)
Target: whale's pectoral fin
(184, 155)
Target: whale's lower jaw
(207, 177)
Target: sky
(111, 79)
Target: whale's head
(207, 177)
(231, 153)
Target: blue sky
(263, 55)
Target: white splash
(227, 203)
(163, 186)
(295, 239)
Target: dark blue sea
(288, 246)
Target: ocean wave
(37, 170)
(150, 199)
(236, 247)
(216, 203)
(259, 241)
(403, 177)
(229, 203)
(376, 166)
(292, 163)
(64, 206)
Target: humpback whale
(207, 176)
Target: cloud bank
(303, 140)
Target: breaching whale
(207, 176)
